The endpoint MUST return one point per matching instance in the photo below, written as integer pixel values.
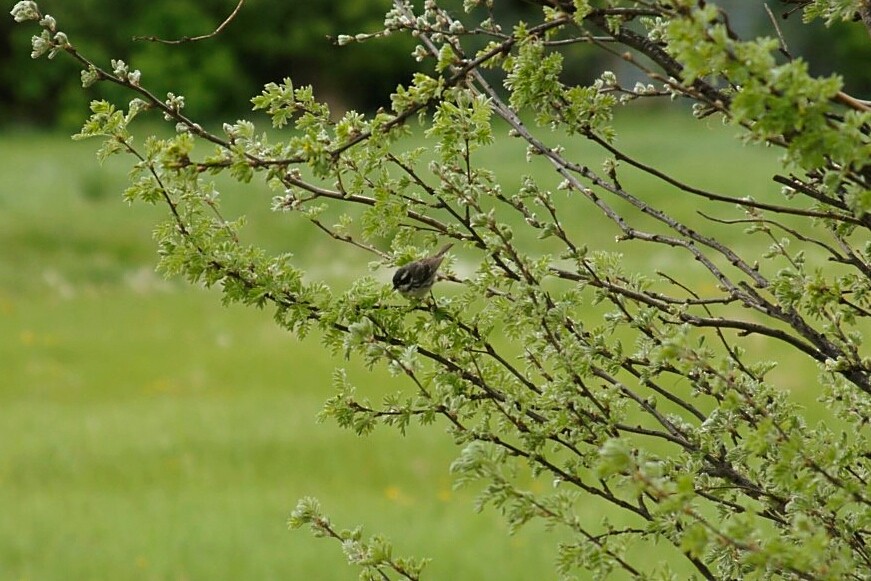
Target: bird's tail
(444, 249)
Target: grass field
(149, 433)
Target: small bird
(415, 279)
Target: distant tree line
(271, 39)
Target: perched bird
(415, 279)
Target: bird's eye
(401, 277)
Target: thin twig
(784, 50)
(184, 39)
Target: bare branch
(185, 39)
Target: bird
(415, 279)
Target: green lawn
(149, 433)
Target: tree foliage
(647, 389)
(268, 39)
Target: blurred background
(148, 432)
(272, 39)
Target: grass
(149, 433)
(164, 437)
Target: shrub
(642, 385)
